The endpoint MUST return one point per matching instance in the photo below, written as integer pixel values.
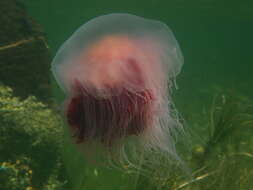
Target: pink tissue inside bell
(114, 94)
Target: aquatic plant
(224, 159)
(16, 175)
(24, 54)
(30, 129)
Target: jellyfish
(117, 72)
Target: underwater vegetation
(30, 143)
(24, 54)
(222, 159)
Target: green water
(215, 38)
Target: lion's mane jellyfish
(117, 71)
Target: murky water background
(215, 38)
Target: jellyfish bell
(116, 71)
